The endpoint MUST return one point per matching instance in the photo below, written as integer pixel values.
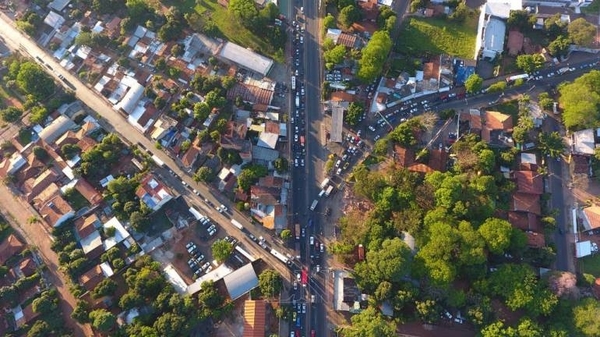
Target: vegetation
(530, 62)
(354, 113)
(270, 283)
(437, 36)
(204, 174)
(221, 250)
(250, 175)
(582, 32)
(373, 57)
(31, 79)
(580, 101)
(473, 83)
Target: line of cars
(298, 118)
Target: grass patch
(591, 265)
(75, 199)
(229, 27)
(509, 108)
(438, 36)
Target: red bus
(302, 140)
(304, 277)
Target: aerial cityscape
(256, 168)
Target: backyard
(421, 36)
(590, 265)
(211, 16)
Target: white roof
(91, 242)
(54, 20)
(16, 161)
(214, 275)
(583, 248)
(583, 142)
(106, 269)
(133, 95)
(246, 58)
(59, 5)
(56, 129)
(241, 281)
(495, 32)
(528, 158)
(501, 8)
(337, 122)
(175, 279)
(268, 140)
(120, 233)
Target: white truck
(297, 101)
(314, 204)
(329, 190)
(324, 183)
(563, 70)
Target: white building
(491, 31)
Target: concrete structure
(153, 193)
(246, 58)
(337, 124)
(56, 129)
(492, 27)
(241, 281)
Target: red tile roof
(90, 279)
(86, 226)
(254, 318)
(535, 240)
(529, 182)
(404, 157)
(581, 164)
(270, 181)
(88, 191)
(27, 266)
(498, 121)
(250, 93)
(592, 215)
(347, 40)
(342, 96)
(438, 160)
(525, 221)
(10, 247)
(526, 202)
(190, 156)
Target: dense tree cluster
(31, 79)
(270, 283)
(354, 113)
(580, 101)
(97, 161)
(373, 56)
(250, 175)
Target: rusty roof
(525, 221)
(88, 191)
(535, 240)
(515, 42)
(404, 157)
(526, 202)
(254, 318)
(529, 182)
(10, 247)
(592, 215)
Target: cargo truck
(314, 204)
(297, 231)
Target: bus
(158, 162)
(237, 224)
(511, 79)
(329, 189)
(293, 82)
(304, 278)
(297, 230)
(302, 140)
(280, 256)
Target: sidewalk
(17, 213)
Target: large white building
(491, 31)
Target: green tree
(473, 83)
(11, 114)
(349, 15)
(106, 287)
(390, 263)
(585, 317)
(530, 62)
(551, 144)
(39, 329)
(555, 26)
(46, 303)
(286, 234)
(381, 146)
(102, 319)
(353, 114)
(373, 56)
(201, 111)
(580, 100)
(204, 174)
(250, 175)
(33, 80)
(38, 115)
(139, 221)
(70, 150)
(270, 283)
(560, 46)
(497, 234)
(329, 22)
(427, 310)
(281, 165)
(244, 10)
(582, 32)
(221, 250)
(335, 55)
(497, 87)
(519, 19)
(370, 323)
(81, 312)
(40, 153)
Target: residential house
(515, 42)
(88, 191)
(56, 129)
(91, 278)
(271, 182)
(535, 240)
(254, 318)
(495, 124)
(581, 164)
(23, 316)
(33, 167)
(52, 207)
(525, 202)
(24, 268)
(591, 217)
(153, 193)
(10, 165)
(11, 246)
(234, 137)
(85, 226)
(33, 186)
(529, 182)
(404, 157)
(261, 195)
(113, 28)
(525, 221)
(189, 157)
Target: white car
(377, 138)
(339, 171)
(296, 138)
(312, 240)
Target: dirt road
(17, 213)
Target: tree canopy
(473, 83)
(580, 101)
(33, 80)
(270, 283)
(221, 250)
(370, 323)
(353, 114)
(530, 62)
(373, 56)
(581, 32)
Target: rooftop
(246, 58)
(254, 318)
(241, 281)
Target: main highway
(112, 121)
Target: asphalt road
(114, 122)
